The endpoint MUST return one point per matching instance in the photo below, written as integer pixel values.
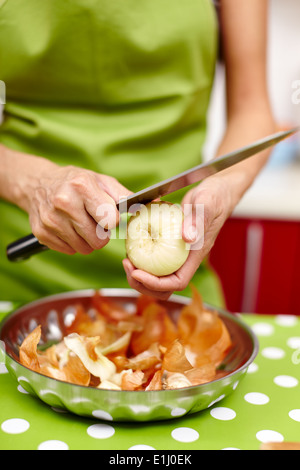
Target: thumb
(193, 223)
(189, 230)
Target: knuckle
(62, 201)
(80, 181)
(47, 221)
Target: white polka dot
(252, 368)
(185, 434)
(256, 398)
(286, 381)
(100, 431)
(273, 353)
(22, 390)
(101, 414)
(230, 448)
(141, 447)
(269, 436)
(295, 415)
(263, 329)
(286, 320)
(3, 369)
(223, 414)
(53, 445)
(15, 426)
(178, 411)
(294, 342)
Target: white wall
(284, 58)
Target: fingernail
(191, 233)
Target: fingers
(162, 287)
(193, 227)
(204, 214)
(139, 286)
(112, 187)
(51, 240)
(94, 235)
(83, 193)
(72, 212)
(190, 221)
(58, 233)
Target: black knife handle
(24, 248)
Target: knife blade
(28, 246)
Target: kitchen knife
(26, 247)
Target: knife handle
(24, 248)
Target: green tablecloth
(265, 407)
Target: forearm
(19, 173)
(249, 116)
(243, 129)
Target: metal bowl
(55, 312)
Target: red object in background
(258, 262)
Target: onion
(100, 367)
(154, 239)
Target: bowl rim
(126, 292)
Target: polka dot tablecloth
(265, 407)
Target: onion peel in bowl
(28, 350)
(158, 328)
(144, 350)
(132, 380)
(175, 359)
(203, 331)
(47, 362)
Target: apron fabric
(120, 88)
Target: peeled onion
(154, 239)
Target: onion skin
(154, 239)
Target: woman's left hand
(200, 229)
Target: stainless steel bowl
(54, 312)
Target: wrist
(20, 176)
(231, 185)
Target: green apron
(118, 87)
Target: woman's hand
(200, 228)
(71, 210)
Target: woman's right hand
(71, 210)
